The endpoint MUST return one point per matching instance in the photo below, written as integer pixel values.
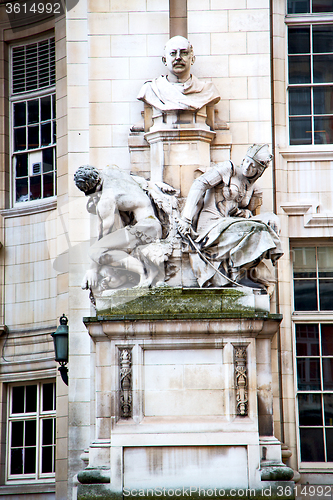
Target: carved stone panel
(241, 382)
(125, 382)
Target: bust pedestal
(177, 145)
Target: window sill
(29, 208)
(308, 152)
(19, 489)
(317, 467)
(315, 316)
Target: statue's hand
(166, 188)
(274, 225)
(185, 228)
(90, 280)
(240, 212)
(244, 212)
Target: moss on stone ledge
(181, 303)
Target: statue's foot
(143, 284)
(162, 284)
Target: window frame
(38, 476)
(306, 20)
(306, 318)
(27, 96)
(315, 279)
(307, 466)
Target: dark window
(314, 355)
(34, 122)
(310, 78)
(313, 278)
(31, 431)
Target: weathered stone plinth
(178, 374)
(181, 303)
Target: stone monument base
(181, 397)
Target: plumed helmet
(260, 154)
(86, 178)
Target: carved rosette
(125, 382)
(240, 358)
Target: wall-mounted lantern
(60, 339)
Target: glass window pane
(328, 374)
(299, 40)
(308, 374)
(329, 444)
(309, 408)
(327, 340)
(307, 340)
(305, 295)
(29, 460)
(20, 139)
(21, 165)
(304, 262)
(16, 461)
(48, 397)
(323, 100)
(47, 455)
(17, 434)
(45, 108)
(33, 111)
(18, 399)
(323, 130)
(30, 433)
(322, 6)
(47, 160)
(54, 131)
(322, 38)
(325, 262)
(300, 101)
(326, 295)
(47, 431)
(312, 445)
(328, 409)
(298, 6)
(299, 69)
(35, 187)
(322, 69)
(31, 398)
(54, 106)
(22, 190)
(300, 131)
(20, 117)
(46, 134)
(48, 185)
(33, 137)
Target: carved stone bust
(179, 89)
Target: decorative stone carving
(178, 90)
(136, 229)
(240, 358)
(228, 242)
(125, 383)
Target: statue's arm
(106, 213)
(214, 176)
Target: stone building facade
(70, 77)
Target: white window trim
(20, 96)
(28, 478)
(302, 20)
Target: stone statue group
(139, 222)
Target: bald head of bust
(178, 58)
